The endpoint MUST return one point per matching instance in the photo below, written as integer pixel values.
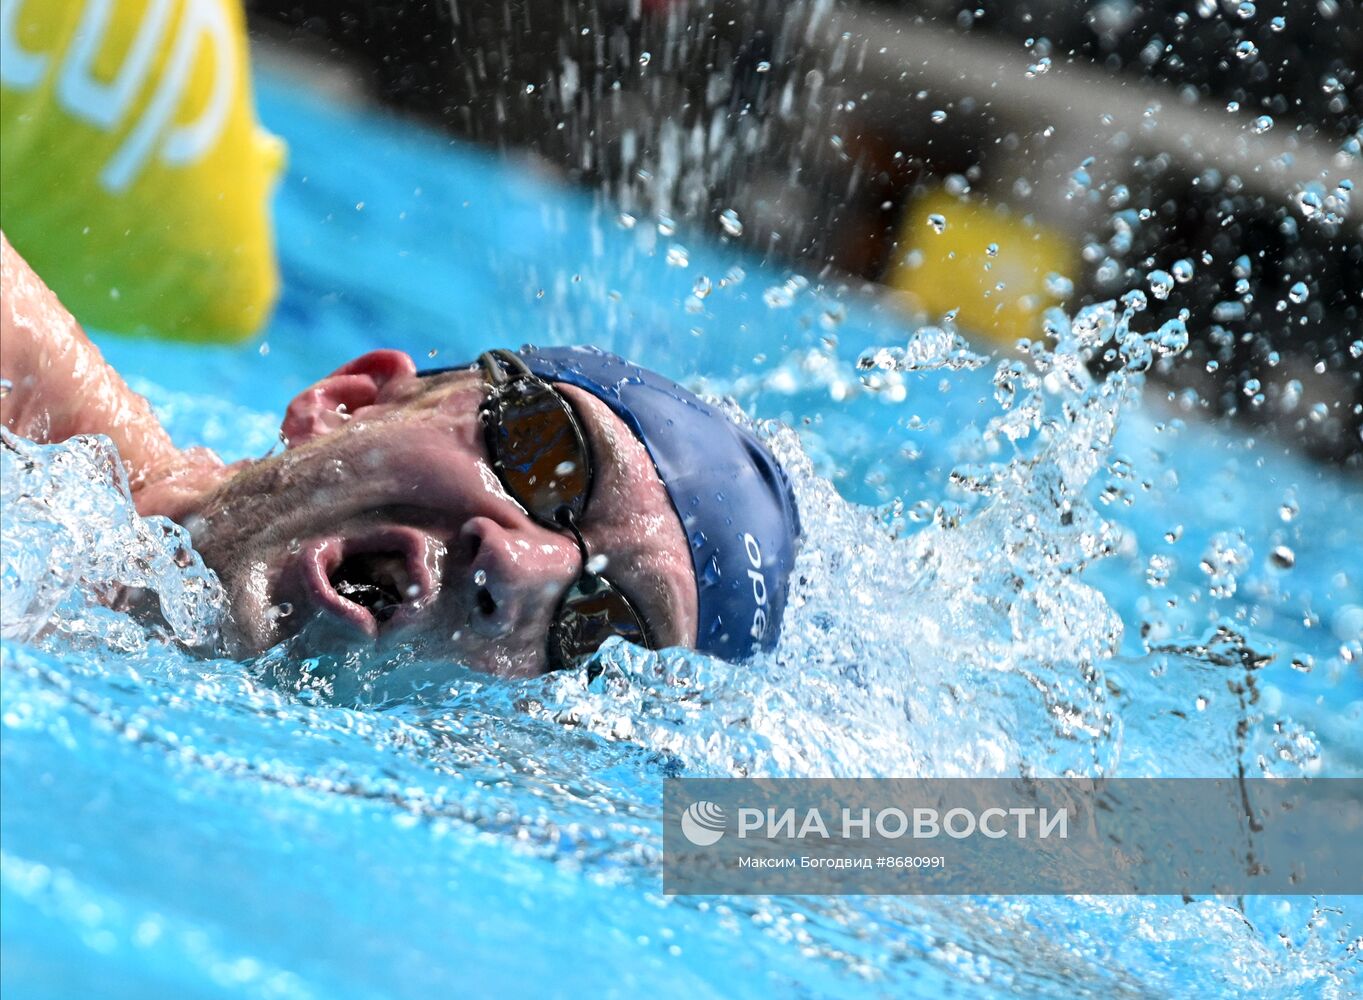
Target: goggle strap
(492, 371)
(566, 520)
(496, 362)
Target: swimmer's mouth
(372, 581)
(377, 582)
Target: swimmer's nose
(516, 575)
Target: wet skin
(386, 486)
(58, 386)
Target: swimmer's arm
(59, 385)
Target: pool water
(1006, 570)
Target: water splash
(964, 643)
(930, 348)
(74, 546)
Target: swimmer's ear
(326, 405)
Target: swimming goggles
(541, 455)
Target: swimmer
(513, 514)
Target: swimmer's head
(387, 519)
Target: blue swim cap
(735, 502)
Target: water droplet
(1226, 555)
(1289, 509)
(783, 295)
(1182, 271)
(1158, 570)
(6, 387)
(294, 546)
(666, 226)
(597, 564)
(992, 250)
(1172, 337)
(1039, 68)
(776, 297)
(678, 256)
(264, 348)
(764, 67)
(1135, 300)
(937, 222)
(730, 222)
(626, 220)
(1161, 283)
(1303, 663)
(1246, 50)
(939, 116)
(1262, 124)
(1299, 293)
(645, 58)
(1246, 10)
(1356, 349)
(1283, 557)
(1059, 285)
(280, 611)
(702, 287)
(1278, 24)
(480, 578)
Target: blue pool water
(174, 826)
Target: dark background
(493, 72)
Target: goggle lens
(591, 612)
(539, 451)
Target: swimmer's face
(386, 490)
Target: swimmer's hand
(57, 385)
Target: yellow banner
(136, 179)
(993, 267)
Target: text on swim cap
(759, 585)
